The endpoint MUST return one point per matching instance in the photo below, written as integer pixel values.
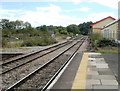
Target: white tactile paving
(102, 66)
(93, 73)
(98, 74)
(109, 82)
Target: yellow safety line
(80, 79)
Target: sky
(58, 12)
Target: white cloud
(70, 10)
(98, 16)
(109, 3)
(51, 8)
(9, 12)
(76, 1)
(84, 9)
(51, 15)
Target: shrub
(95, 36)
(63, 32)
(4, 42)
(94, 39)
(43, 41)
(106, 42)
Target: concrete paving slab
(101, 62)
(95, 56)
(91, 82)
(103, 69)
(92, 73)
(105, 73)
(100, 59)
(104, 77)
(94, 53)
(109, 82)
(99, 69)
(107, 77)
(88, 86)
(104, 87)
(91, 59)
(91, 66)
(92, 63)
(102, 66)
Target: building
(111, 30)
(97, 26)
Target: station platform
(88, 71)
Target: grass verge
(108, 50)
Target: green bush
(4, 42)
(43, 41)
(95, 37)
(106, 42)
(63, 32)
(94, 40)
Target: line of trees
(14, 27)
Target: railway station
(82, 70)
(59, 45)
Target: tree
(84, 28)
(73, 29)
(4, 24)
(43, 28)
(27, 25)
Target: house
(111, 30)
(97, 26)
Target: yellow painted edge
(80, 78)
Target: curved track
(45, 73)
(13, 64)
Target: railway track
(13, 64)
(43, 74)
(4, 62)
(18, 73)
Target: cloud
(51, 15)
(76, 1)
(108, 3)
(83, 9)
(52, 8)
(98, 16)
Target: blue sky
(56, 12)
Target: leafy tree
(27, 25)
(4, 24)
(51, 28)
(43, 28)
(84, 28)
(73, 29)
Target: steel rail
(59, 70)
(24, 56)
(32, 59)
(39, 68)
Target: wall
(110, 31)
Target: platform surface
(88, 71)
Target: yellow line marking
(80, 78)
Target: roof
(102, 20)
(111, 23)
